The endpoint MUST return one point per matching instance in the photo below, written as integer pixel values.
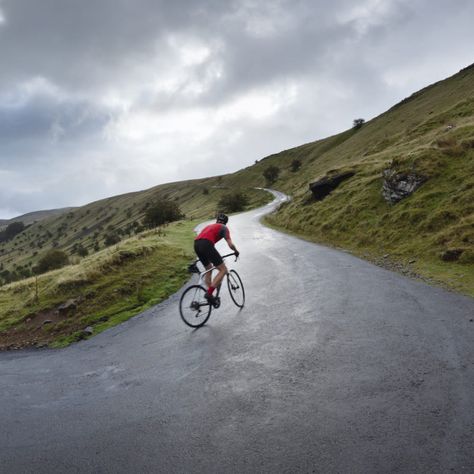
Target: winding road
(334, 366)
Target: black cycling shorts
(206, 252)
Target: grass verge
(101, 291)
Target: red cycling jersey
(214, 233)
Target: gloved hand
(237, 253)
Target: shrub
(233, 202)
(161, 212)
(358, 123)
(52, 260)
(82, 251)
(271, 174)
(111, 238)
(295, 165)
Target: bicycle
(194, 308)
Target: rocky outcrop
(397, 186)
(451, 255)
(324, 186)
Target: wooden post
(36, 289)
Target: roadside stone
(324, 186)
(386, 255)
(47, 321)
(67, 306)
(89, 330)
(412, 261)
(451, 255)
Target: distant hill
(35, 216)
(426, 139)
(92, 227)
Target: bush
(52, 260)
(161, 212)
(358, 123)
(271, 174)
(233, 202)
(111, 238)
(295, 165)
(82, 251)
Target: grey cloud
(345, 63)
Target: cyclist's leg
(208, 275)
(202, 248)
(222, 271)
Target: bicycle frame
(202, 274)
(193, 304)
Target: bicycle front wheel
(193, 306)
(236, 288)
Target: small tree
(51, 260)
(162, 212)
(82, 251)
(295, 165)
(358, 123)
(233, 202)
(111, 238)
(271, 174)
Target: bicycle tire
(193, 305)
(236, 288)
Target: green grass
(110, 286)
(432, 134)
(88, 225)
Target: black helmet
(221, 218)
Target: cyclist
(207, 253)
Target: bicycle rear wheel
(236, 288)
(193, 306)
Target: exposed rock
(89, 330)
(412, 261)
(324, 186)
(67, 306)
(397, 186)
(47, 321)
(451, 255)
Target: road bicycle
(195, 309)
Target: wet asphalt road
(333, 366)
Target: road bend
(333, 366)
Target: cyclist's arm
(231, 245)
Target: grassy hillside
(32, 217)
(430, 133)
(121, 216)
(428, 234)
(100, 291)
(113, 282)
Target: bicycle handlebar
(229, 255)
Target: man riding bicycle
(204, 246)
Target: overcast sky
(103, 97)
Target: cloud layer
(99, 98)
